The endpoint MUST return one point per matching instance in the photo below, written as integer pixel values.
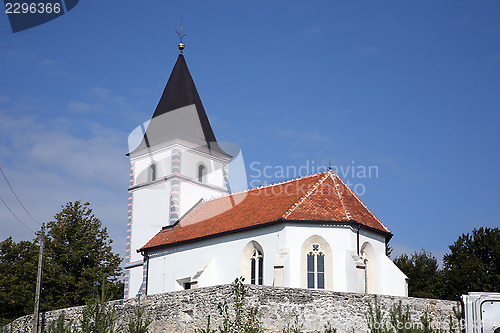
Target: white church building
(185, 230)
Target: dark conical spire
(180, 92)
(179, 114)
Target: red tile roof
(318, 197)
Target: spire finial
(181, 34)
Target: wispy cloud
(313, 31)
(49, 164)
(103, 101)
(493, 58)
(47, 62)
(4, 99)
(100, 92)
(309, 136)
(83, 107)
(370, 50)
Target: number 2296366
(32, 8)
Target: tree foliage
(78, 258)
(425, 277)
(473, 263)
(18, 267)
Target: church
(187, 230)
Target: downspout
(145, 262)
(146, 259)
(366, 276)
(357, 240)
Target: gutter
(388, 235)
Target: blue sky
(409, 87)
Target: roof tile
(319, 197)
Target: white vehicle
(481, 312)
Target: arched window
(202, 173)
(371, 274)
(252, 263)
(256, 268)
(316, 264)
(315, 267)
(152, 172)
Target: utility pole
(39, 282)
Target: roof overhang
(387, 235)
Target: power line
(8, 183)
(16, 216)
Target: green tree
(18, 269)
(422, 270)
(78, 258)
(473, 263)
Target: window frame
(315, 273)
(319, 273)
(201, 173)
(252, 263)
(153, 172)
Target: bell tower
(176, 163)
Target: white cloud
(4, 99)
(100, 92)
(47, 62)
(370, 50)
(82, 107)
(314, 31)
(48, 165)
(305, 136)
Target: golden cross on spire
(181, 35)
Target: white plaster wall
(189, 166)
(181, 262)
(391, 281)
(394, 281)
(339, 239)
(191, 193)
(343, 243)
(150, 213)
(163, 161)
(351, 274)
(135, 282)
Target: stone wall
(183, 311)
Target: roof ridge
(362, 203)
(346, 211)
(304, 197)
(268, 185)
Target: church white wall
(394, 282)
(390, 279)
(192, 159)
(218, 260)
(338, 237)
(351, 273)
(135, 281)
(162, 159)
(150, 213)
(223, 254)
(157, 202)
(191, 193)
